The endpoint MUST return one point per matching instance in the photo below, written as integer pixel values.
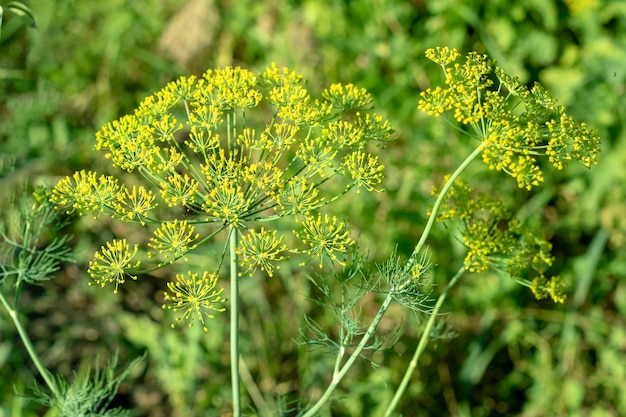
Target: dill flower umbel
(194, 296)
(113, 264)
(494, 239)
(516, 125)
(173, 240)
(261, 250)
(325, 237)
(205, 161)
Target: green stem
(47, 377)
(431, 220)
(440, 198)
(337, 376)
(234, 321)
(422, 343)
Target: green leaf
(20, 9)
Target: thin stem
(440, 198)
(422, 343)
(47, 377)
(338, 376)
(234, 322)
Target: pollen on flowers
(262, 250)
(113, 264)
(519, 126)
(194, 296)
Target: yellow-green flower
(347, 97)
(192, 295)
(442, 55)
(134, 204)
(554, 288)
(179, 190)
(364, 170)
(234, 87)
(260, 250)
(299, 196)
(85, 191)
(113, 264)
(325, 237)
(216, 157)
(495, 240)
(518, 126)
(173, 240)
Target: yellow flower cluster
(173, 240)
(496, 240)
(199, 147)
(194, 296)
(113, 264)
(517, 125)
(325, 236)
(261, 250)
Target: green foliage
(88, 395)
(19, 9)
(89, 64)
(22, 258)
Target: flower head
(496, 240)
(192, 295)
(261, 250)
(364, 170)
(516, 136)
(85, 192)
(173, 240)
(134, 204)
(231, 148)
(113, 264)
(325, 237)
(347, 97)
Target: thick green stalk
(47, 377)
(422, 343)
(234, 321)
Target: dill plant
(32, 250)
(233, 152)
(230, 152)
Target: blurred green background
(90, 62)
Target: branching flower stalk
(510, 142)
(229, 151)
